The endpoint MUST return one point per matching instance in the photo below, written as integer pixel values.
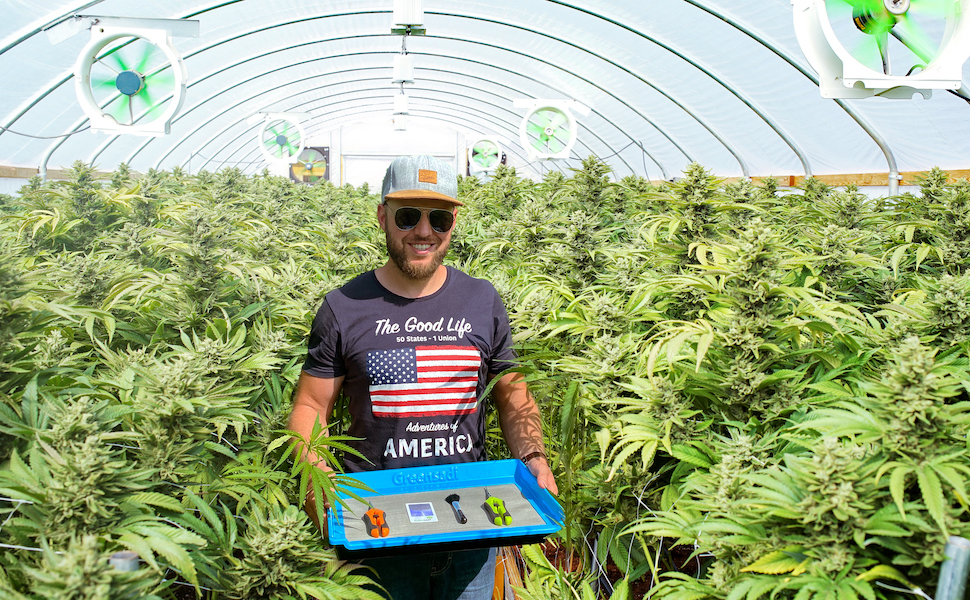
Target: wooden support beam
(868, 179)
(28, 172)
(859, 179)
(17, 172)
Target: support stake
(953, 574)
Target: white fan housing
(545, 139)
(841, 75)
(277, 124)
(102, 36)
(475, 165)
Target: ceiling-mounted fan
(281, 137)
(311, 165)
(129, 77)
(549, 130)
(485, 155)
(890, 48)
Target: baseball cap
(420, 176)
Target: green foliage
(773, 380)
(83, 572)
(279, 560)
(151, 333)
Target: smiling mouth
(422, 247)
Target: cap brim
(422, 194)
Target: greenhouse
(732, 241)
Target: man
(374, 337)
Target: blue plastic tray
(535, 512)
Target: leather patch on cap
(427, 176)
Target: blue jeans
(462, 575)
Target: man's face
(419, 252)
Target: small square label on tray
(421, 512)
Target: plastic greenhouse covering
(667, 83)
(704, 335)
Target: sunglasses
(407, 218)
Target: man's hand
(310, 506)
(522, 426)
(313, 402)
(539, 467)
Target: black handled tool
(453, 501)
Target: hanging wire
(182, 583)
(43, 137)
(643, 154)
(959, 95)
(251, 162)
(621, 150)
(15, 547)
(914, 591)
(10, 516)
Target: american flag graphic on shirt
(425, 381)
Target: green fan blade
(866, 51)
(554, 145)
(538, 121)
(882, 42)
(861, 46)
(150, 99)
(291, 135)
(915, 38)
(540, 135)
(161, 81)
(135, 54)
(145, 97)
(913, 27)
(147, 51)
(103, 82)
(863, 27)
(550, 126)
(548, 119)
(485, 154)
(269, 137)
(118, 108)
(556, 119)
(114, 61)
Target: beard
(411, 270)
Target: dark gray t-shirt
(415, 369)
